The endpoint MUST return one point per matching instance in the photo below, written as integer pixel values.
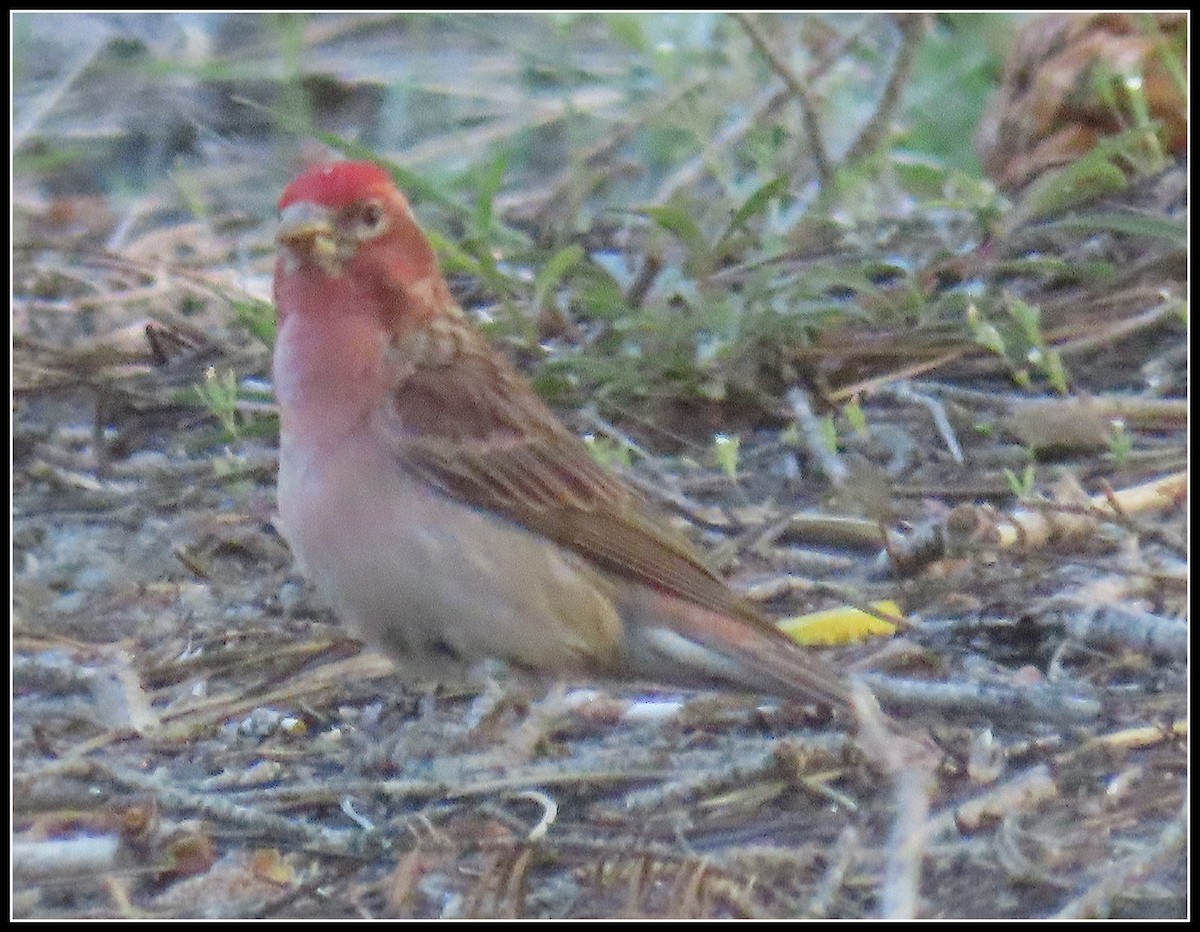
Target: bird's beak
(306, 233)
(304, 222)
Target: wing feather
(504, 451)
(491, 443)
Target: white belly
(416, 573)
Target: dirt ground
(194, 735)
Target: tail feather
(673, 641)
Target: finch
(444, 510)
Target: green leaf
(987, 334)
(258, 317)
(219, 394)
(1054, 267)
(553, 271)
(857, 417)
(1173, 55)
(677, 221)
(1056, 371)
(1098, 173)
(829, 433)
(600, 295)
(1129, 222)
(726, 451)
(488, 188)
(1029, 317)
(454, 257)
(627, 28)
(1022, 486)
(1120, 442)
(755, 204)
(1058, 191)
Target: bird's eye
(372, 219)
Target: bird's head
(346, 224)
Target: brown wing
(470, 425)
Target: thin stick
(799, 90)
(912, 29)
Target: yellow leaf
(841, 625)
